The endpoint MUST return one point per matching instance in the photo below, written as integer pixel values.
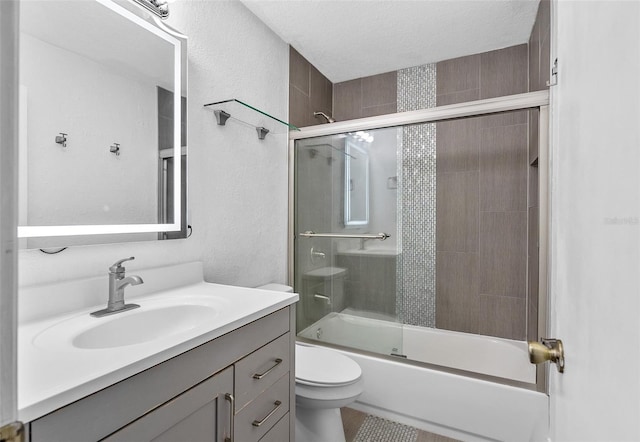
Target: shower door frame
(527, 101)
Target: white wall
(243, 181)
(595, 280)
(237, 184)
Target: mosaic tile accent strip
(376, 429)
(415, 278)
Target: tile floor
(362, 427)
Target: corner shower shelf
(243, 113)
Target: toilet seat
(324, 368)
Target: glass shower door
(346, 248)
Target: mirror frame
(348, 220)
(153, 24)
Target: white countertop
(53, 375)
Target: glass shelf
(239, 112)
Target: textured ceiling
(348, 39)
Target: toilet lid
(318, 366)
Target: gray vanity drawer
(264, 408)
(279, 432)
(259, 370)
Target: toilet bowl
(325, 381)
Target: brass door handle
(547, 350)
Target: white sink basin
(155, 319)
(143, 326)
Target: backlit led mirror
(102, 125)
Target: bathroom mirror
(102, 130)
(356, 185)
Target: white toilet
(325, 381)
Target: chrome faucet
(117, 284)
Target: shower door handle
(311, 234)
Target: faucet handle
(117, 266)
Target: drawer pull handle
(232, 407)
(257, 423)
(261, 375)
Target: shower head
(326, 117)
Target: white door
(595, 243)
(8, 197)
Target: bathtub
(451, 404)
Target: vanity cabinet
(195, 415)
(239, 386)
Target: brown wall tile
(309, 91)
(534, 57)
(504, 71)
(299, 114)
(383, 109)
(458, 74)
(380, 89)
(533, 251)
(503, 316)
(321, 93)
(534, 116)
(539, 48)
(503, 256)
(505, 119)
(347, 100)
(457, 145)
(544, 17)
(457, 97)
(457, 302)
(503, 168)
(365, 97)
(370, 283)
(532, 323)
(298, 71)
(457, 211)
(533, 187)
(497, 147)
(545, 62)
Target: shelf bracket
(221, 117)
(262, 132)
